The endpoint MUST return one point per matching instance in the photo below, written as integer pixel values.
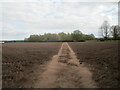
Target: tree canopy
(74, 36)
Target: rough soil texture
(21, 61)
(56, 65)
(102, 60)
(0, 66)
(63, 71)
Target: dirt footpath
(64, 71)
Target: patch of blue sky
(115, 19)
(17, 26)
(61, 1)
(54, 3)
(60, 11)
(109, 10)
(1, 27)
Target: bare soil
(56, 65)
(64, 71)
(22, 61)
(102, 60)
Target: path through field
(65, 71)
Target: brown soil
(102, 60)
(40, 65)
(64, 71)
(21, 61)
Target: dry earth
(63, 71)
(21, 61)
(32, 65)
(102, 58)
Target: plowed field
(102, 60)
(19, 60)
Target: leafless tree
(105, 29)
(115, 30)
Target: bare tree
(105, 29)
(115, 30)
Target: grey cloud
(68, 16)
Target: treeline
(110, 32)
(74, 36)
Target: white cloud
(40, 17)
(60, 0)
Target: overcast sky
(20, 19)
